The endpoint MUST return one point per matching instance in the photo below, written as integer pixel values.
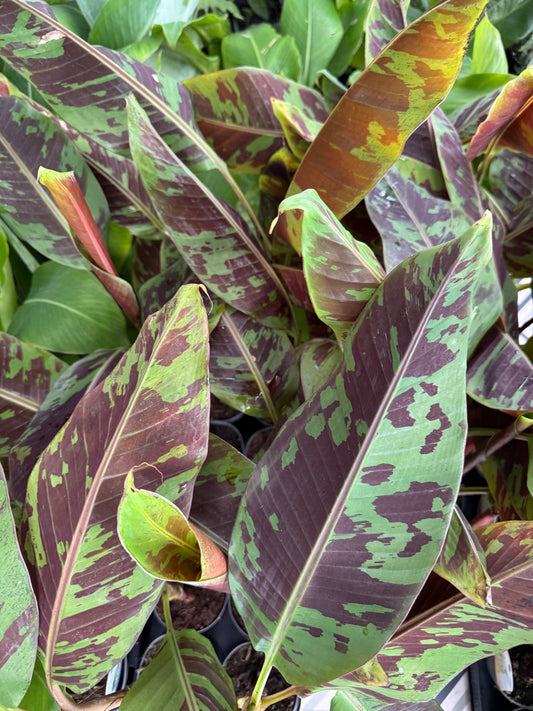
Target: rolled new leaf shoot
(159, 538)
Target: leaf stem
(498, 440)
(256, 699)
(108, 702)
(267, 701)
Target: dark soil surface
(244, 666)
(193, 608)
(522, 664)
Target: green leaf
(185, 674)
(512, 18)
(159, 538)
(353, 17)
(19, 618)
(26, 375)
(462, 561)
(252, 367)
(351, 701)
(488, 53)
(69, 311)
(91, 9)
(38, 697)
(358, 463)
(364, 136)
(151, 414)
(122, 22)
(341, 273)
(8, 294)
(261, 46)
(211, 236)
(317, 32)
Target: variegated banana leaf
(252, 367)
(299, 130)
(436, 645)
(86, 86)
(509, 475)
(218, 490)
(26, 375)
(385, 19)
(185, 675)
(510, 120)
(461, 183)
(211, 236)
(151, 413)
(351, 701)
(28, 139)
(518, 242)
(346, 513)
(500, 375)
(409, 218)
(233, 109)
(368, 128)
(19, 618)
(319, 359)
(53, 412)
(341, 272)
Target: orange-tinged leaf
(509, 123)
(368, 128)
(157, 535)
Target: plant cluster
(351, 274)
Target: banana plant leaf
(160, 539)
(518, 242)
(91, 98)
(218, 490)
(510, 175)
(499, 355)
(510, 120)
(38, 696)
(341, 272)
(385, 19)
(462, 561)
(151, 413)
(319, 359)
(53, 412)
(349, 701)
(252, 367)
(458, 175)
(211, 236)
(363, 137)
(185, 675)
(28, 139)
(410, 219)
(19, 617)
(510, 480)
(26, 375)
(346, 499)
(233, 109)
(433, 647)
(298, 129)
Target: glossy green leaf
(218, 490)
(211, 236)
(246, 132)
(185, 675)
(500, 375)
(444, 638)
(150, 414)
(341, 272)
(19, 618)
(252, 367)
(69, 311)
(317, 32)
(510, 119)
(512, 18)
(261, 46)
(462, 561)
(29, 138)
(122, 22)
(363, 137)
(159, 538)
(38, 696)
(8, 293)
(26, 375)
(488, 53)
(353, 16)
(371, 518)
(54, 410)
(91, 9)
